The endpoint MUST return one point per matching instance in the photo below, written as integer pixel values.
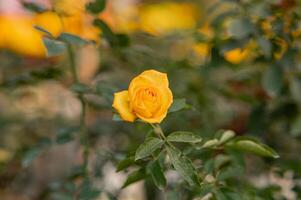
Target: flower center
(146, 101)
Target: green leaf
(116, 117)
(33, 7)
(183, 166)
(221, 161)
(72, 39)
(134, 177)
(47, 33)
(54, 48)
(272, 80)
(148, 147)
(230, 171)
(226, 136)
(253, 146)
(240, 28)
(96, 7)
(34, 152)
(81, 88)
(295, 88)
(211, 143)
(219, 195)
(66, 135)
(106, 91)
(265, 46)
(183, 136)
(156, 172)
(30, 156)
(178, 104)
(106, 30)
(296, 127)
(125, 163)
(88, 192)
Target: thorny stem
(84, 140)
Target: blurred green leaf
(106, 30)
(81, 88)
(29, 156)
(272, 80)
(96, 6)
(156, 172)
(66, 135)
(54, 48)
(115, 40)
(88, 192)
(230, 171)
(61, 196)
(266, 47)
(125, 163)
(183, 166)
(240, 28)
(35, 151)
(33, 7)
(134, 177)
(72, 39)
(219, 195)
(226, 136)
(106, 90)
(183, 136)
(47, 33)
(178, 104)
(251, 145)
(296, 127)
(148, 147)
(221, 161)
(295, 89)
(117, 118)
(211, 143)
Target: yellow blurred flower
(18, 35)
(162, 18)
(206, 31)
(49, 21)
(282, 48)
(237, 55)
(69, 7)
(202, 49)
(122, 18)
(5, 155)
(148, 98)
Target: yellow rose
(148, 98)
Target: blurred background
(237, 63)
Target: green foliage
(253, 146)
(54, 47)
(155, 170)
(272, 80)
(183, 136)
(178, 104)
(183, 166)
(97, 6)
(148, 147)
(134, 177)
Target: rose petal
(121, 104)
(158, 78)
